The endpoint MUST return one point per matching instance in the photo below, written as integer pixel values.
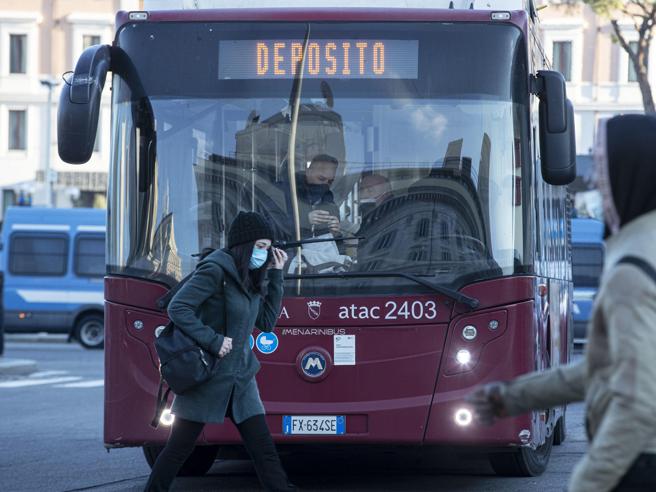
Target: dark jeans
(641, 476)
(257, 440)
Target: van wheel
(90, 331)
(524, 462)
(198, 464)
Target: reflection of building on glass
(164, 252)
(158, 251)
(440, 221)
(484, 182)
(374, 190)
(219, 183)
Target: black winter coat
(211, 302)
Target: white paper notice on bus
(344, 350)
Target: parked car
(587, 263)
(54, 262)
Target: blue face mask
(258, 258)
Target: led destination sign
(325, 58)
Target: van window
(90, 256)
(587, 263)
(38, 254)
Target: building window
(17, 53)
(633, 75)
(562, 58)
(90, 40)
(417, 255)
(385, 241)
(17, 130)
(35, 254)
(90, 256)
(423, 226)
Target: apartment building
(600, 79)
(39, 41)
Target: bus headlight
(463, 417)
(463, 356)
(167, 418)
(469, 341)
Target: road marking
(83, 384)
(43, 374)
(35, 382)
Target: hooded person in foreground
(617, 376)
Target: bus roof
(351, 13)
(23, 217)
(301, 4)
(587, 231)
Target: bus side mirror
(557, 138)
(79, 105)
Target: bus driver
(317, 209)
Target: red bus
(453, 273)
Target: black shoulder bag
(183, 364)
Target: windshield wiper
(301, 242)
(468, 301)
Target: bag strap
(163, 302)
(160, 403)
(640, 263)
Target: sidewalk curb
(16, 367)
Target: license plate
(332, 425)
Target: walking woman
(224, 295)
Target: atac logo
(314, 309)
(313, 364)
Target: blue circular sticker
(267, 343)
(251, 341)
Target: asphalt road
(51, 440)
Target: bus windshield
(404, 146)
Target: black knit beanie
(247, 227)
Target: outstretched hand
(279, 258)
(488, 402)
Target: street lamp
(50, 83)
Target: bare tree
(642, 13)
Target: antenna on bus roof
(451, 5)
(471, 6)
